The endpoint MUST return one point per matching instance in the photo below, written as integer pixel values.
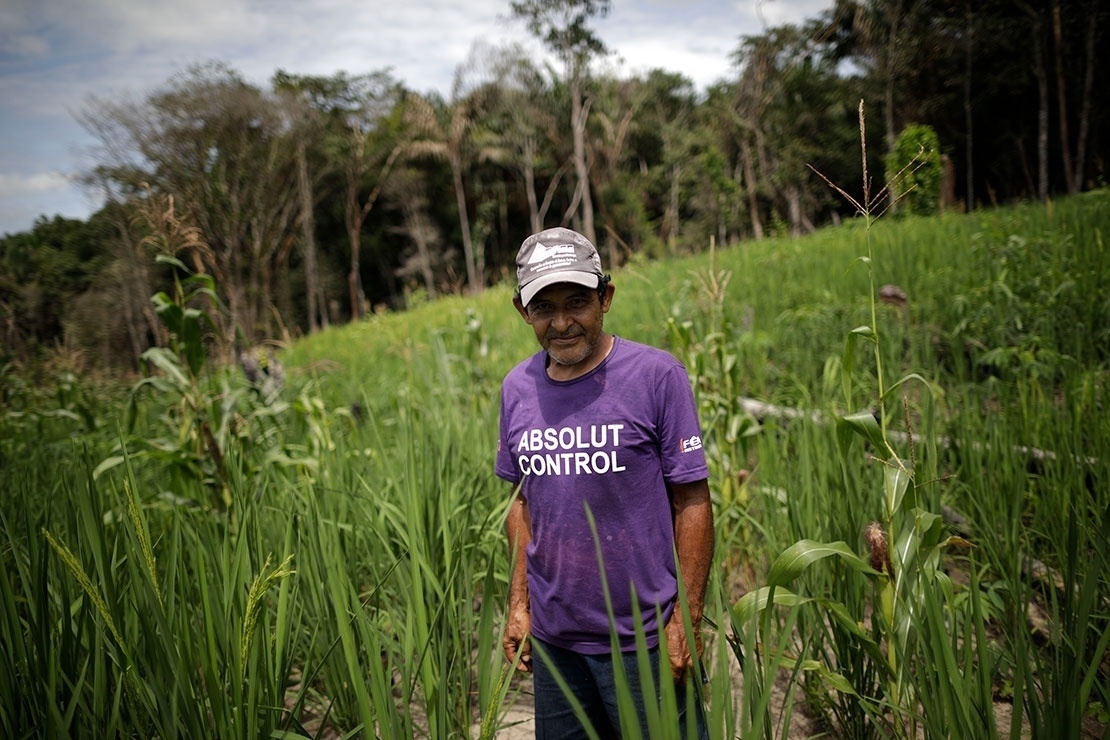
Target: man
(597, 431)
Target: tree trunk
(892, 41)
(528, 171)
(314, 299)
(1042, 113)
(1062, 97)
(474, 281)
(1088, 89)
(354, 219)
(749, 186)
(892, 73)
(418, 230)
(969, 119)
(578, 115)
(794, 208)
(671, 214)
(1041, 76)
(354, 278)
(135, 288)
(356, 215)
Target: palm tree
(445, 133)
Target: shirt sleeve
(504, 467)
(681, 447)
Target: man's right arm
(518, 528)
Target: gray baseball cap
(553, 256)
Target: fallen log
(760, 410)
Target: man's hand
(518, 619)
(516, 639)
(678, 649)
(693, 536)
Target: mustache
(563, 335)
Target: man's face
(567, 320)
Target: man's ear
(520, 308)
(607, 297)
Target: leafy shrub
(913, 170)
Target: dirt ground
(518, 721)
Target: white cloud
(121, 26)
(781, 12)
(39, 182)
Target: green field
(912, 503)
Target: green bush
(914, 171)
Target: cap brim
(528, 292)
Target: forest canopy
(314, 200)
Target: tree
(617, 107)
(357, 124)
(525, 120)
(285, 180)
(41, 274)
(1040, 73)
(444, 132)
(129, 280)
(668, 113)
(409, 192)
(752, 95)
(793, 113)
(715, 185)
(887, 36)
(220, 146)
(562, 25)
(1063, 47)
(372, 142)
(313, 106)
(1090, 51)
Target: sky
(55, 54)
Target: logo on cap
(543, 252)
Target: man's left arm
(693, 535)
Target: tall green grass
(345, 570)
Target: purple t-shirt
(609, 441)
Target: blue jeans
(591, 679)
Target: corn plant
(883, 678)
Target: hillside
(909, 487)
